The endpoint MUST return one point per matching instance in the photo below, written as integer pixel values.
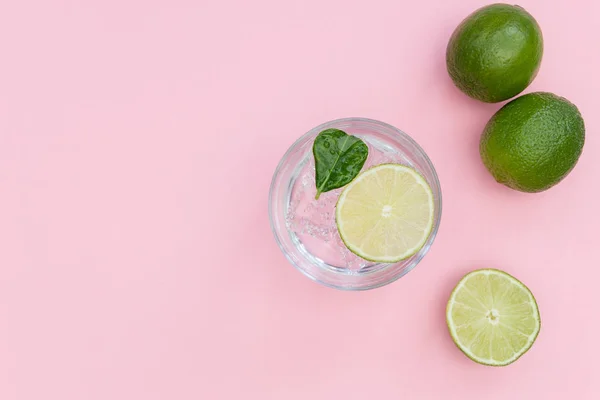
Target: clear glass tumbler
(305, 228)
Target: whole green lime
(533, 142)
(495, 53)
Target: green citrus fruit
(386, 214)
(533, 142)
(492, 317)
(495, 53)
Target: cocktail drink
(371, 230)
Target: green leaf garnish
(339, 157)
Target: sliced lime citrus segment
(386, 214)
(492, 317)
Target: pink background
(137, 144)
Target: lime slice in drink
(386, 213)
(492, 317)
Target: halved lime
(386, 214)
(492, 317)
